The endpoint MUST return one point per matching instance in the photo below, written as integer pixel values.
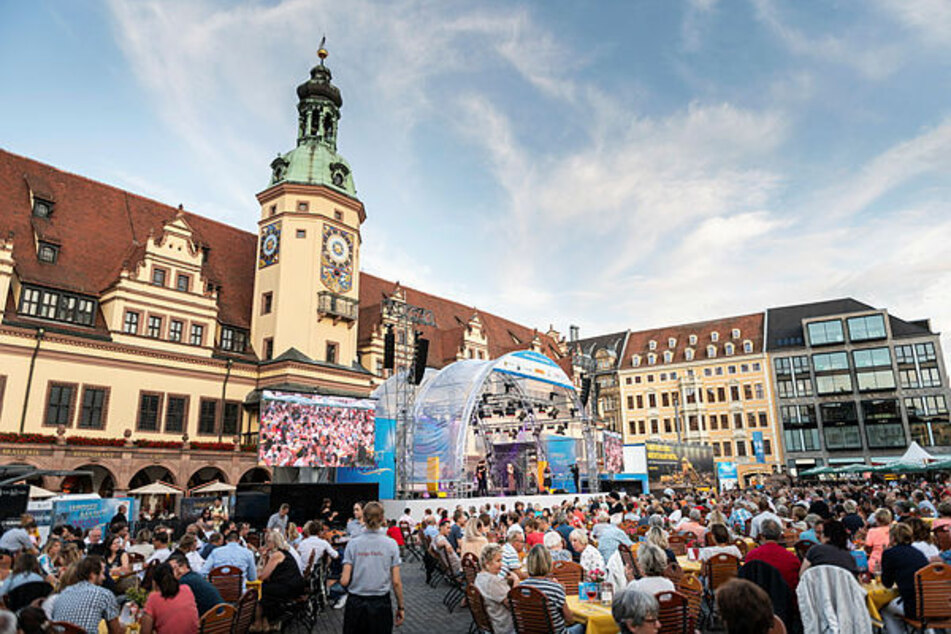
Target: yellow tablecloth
(597, 617)
(256, 584)
(877, 597)
(689, 566)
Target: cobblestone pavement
(425, 613)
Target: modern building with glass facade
(854, 384)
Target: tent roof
(212, 487)
(915, 453)
(156, 488)
(37, 493)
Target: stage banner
(613, 452)
(562, 453)
(87, 514)
(311, 430)
(727, 476)
(13, 501)
(533, 365)
(758, 449)
(673, 465)
(384, 451)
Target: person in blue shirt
(26, 569)
(232, 554)
(809, 535)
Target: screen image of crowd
(319, 433)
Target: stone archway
(102, 481)
(206, 475)
(257, 475)
(150, 474)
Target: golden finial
(321, 51)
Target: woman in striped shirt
(538, 566)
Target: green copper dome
(315, 160)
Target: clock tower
(306, 283)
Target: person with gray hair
(590, 556)
(556, 546)
(652, 561)
(495, 588)
(635, 612)
(8, 622)
(514, 541)
(775, 554)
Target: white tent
(39, 493)
(156, 488)
(212, 488)
(916, 455)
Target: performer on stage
(482, 475)
(576, 476)
(546, 478)
(511, 480)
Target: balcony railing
(337, 306)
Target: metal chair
(932, 598)
(217, 620)
(530, 613)
(409, 541)
(456, 593)
(227, 580)
(568, 574)
(674, 613)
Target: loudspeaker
(420, 354)
(389, 349)
(585, 389)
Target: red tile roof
(750, 326)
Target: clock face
(269, 247)
(337, 248)
(336, 259)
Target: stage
(394, 508)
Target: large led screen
(309, 430)
(613, 452)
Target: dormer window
(651, 359)
(652, 345)
(693, 340)
(668, 356)
(636, 360)
(747, 346)
(714, 336)
(47, 252)
(736, 333)
(42, 208)
(711, 352)
(728, 348)
(688, 354)
(671, 343)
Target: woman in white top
(721, 538)
(495, 589)
(652, 562)
(923, 539)
(590, 556)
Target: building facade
(703, 383)
(599, 359)
(855, 384)
(136, 337)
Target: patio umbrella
(816, 471)
(212, 488)
(853, 468)
(39, 493)
(156, 488)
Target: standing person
(371, 568)
(279, 519)
(355, 524)
(219, 513)
(86, 603)
(17, 539)
(576, 477)
(120, 517)
(170, 608)
(482, 478)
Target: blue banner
(384, 452)
(562, 453)
(758, 447)
(727, 475)
(88, 514)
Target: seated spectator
(189, 546)
(775, 554)
(171, 606)
(652, 562)
(215, 540)
(442, 544)
(495, 588)
(658, 536)
(899, 565)
(924, 541)
(834, 551)
(232, 554)
(48, 559)
(18, 539)
(813, 522)
(85, 603)
(693, 524)
(473, 539)
(765, 514)
(514, 542)
(944, 515)
(538, 566)
(162, 551)
(206, 595)
(722, 544)
(30, 620)
(744, 607)
(26, 569)
(281, 579)
(314, 544)
(590, 557)
(143, 544)
(556, 546)
(533, 536)
(636, 612)
(853, 521)
(877, 538)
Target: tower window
(131, 324)
(301, 233)
(267, 301)
(175, 330)
(273, 210)
(155, 326)
(303, 206)
(42, 208)
(183, 282)
(268, 349)
(331, 355)
(197, 335)
(338, 215)
(47, 252)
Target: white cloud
(930, 18)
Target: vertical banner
(758, 447)
(727, 476)
(613, 452)
(562, 454)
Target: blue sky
(610, 164)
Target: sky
(611, 165)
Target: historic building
(136, 337)
(706, 383)
(855, 384)
(598, 359)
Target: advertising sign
(673, 465)
(310, 430)
(613, 452)
(727, 476)
(562, 453)
(13, 501)
(533, 365)
(384, 452)
(88, 514)
(758, 447)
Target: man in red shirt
(775, 554)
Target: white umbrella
(915, 455)
(212, 487)
(39, 493)
(156, 488)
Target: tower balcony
(337, 306)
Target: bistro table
(877, 597)
(597, 617)
(687, 565)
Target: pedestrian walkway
(425, 613)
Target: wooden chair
(674, 572)
(747, 526)
(480, 617)
(227, 580)
(629, 561)
(719, 569)
(674, 613)
(742, 545)
(530, 613)
(678, 544)
(253, 540)
(244, 615)
(136, 558)
(802, 547)
(217, 620)
(62, 627)
(568, 574)
(692, 590)
(470, 567)
(942, 537)
(932, 598)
